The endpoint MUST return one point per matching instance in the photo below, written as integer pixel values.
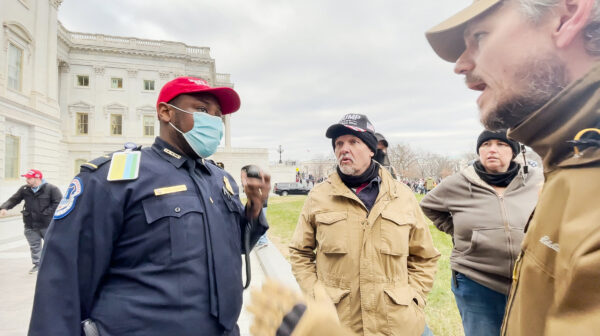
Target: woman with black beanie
(484, 208)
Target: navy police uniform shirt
(158, 255)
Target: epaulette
(96, 163)
(216, 164)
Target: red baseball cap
(227, 97)
(33, 173)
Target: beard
(346, 169)
(544, 79)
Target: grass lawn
(442, 315)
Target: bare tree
(434, 165)
(403, 158)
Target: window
(116, 124)
(83, 80)
(78, 164)
(15, 67)
(82, 123)
(11, 158)
(148, 85)
(148, 125)
(116, 83)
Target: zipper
(506, 229)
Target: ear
(163, 112)
(574, 15)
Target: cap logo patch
(68, 202)
(198, 81)
(370, 127)
(351, 117)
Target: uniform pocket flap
(336, 294)
(156, 208)
(330, 217)
(401, 295)
(398, 218)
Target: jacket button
(178, 209)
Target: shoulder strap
(96, 163)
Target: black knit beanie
(498, 135)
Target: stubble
(543, 79)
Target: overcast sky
(299, 66)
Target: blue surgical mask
(205, 136)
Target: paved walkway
(17, 285)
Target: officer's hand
(3, 212)
(257, 192)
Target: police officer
(149, 241)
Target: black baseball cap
(357, 125)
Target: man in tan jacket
(362, 238)
(536, 63)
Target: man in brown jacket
(536, 63)
(362, 238)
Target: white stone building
(68, 97)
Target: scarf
(497, 179)
(356, 181)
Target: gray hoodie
(487, 229)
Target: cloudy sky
(299, 66)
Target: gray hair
(536, 9)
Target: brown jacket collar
(549, 129)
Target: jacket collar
(549, 129)
(340, 189)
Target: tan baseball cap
(447, 39)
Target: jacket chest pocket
(176, 228)
(43, 201)
(232, 215)
(332, 236)
(395, 233)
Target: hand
(270, 305)
(3, 212)
(257, 192)
(278, 310)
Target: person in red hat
(41, 199)
(148, 242)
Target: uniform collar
(169, 153)
(549, 129)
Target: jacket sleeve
(255, 228)
(13, 200)
(302, 251)
(55, 197)
(577, 298)
(435, 208)
(422, 257)
(76, 255)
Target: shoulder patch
(68, 202)
(124, 166)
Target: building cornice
(133, 46)
(27, 111)
(56, 3)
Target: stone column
(227, 122)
